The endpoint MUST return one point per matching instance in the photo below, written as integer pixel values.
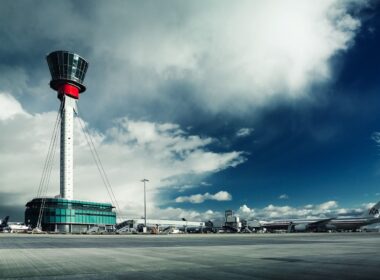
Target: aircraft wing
(320, 222)
(309, 225)
(298, 225)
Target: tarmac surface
(212, 256)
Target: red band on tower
(69, 90)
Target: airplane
(10, 227)
(4, 224)
(18, 227)
(372, 216)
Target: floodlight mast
(67, 71)
(144, 181)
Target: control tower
(67, 74)
(62, 213)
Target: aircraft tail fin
(373, 212)
(4, 222)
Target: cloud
(243, 132)
(283, 196)
(261, 49)
(368, 205)
(168, 142)
(323, 210)
(175, 213)
(327, 209)
(246, 211)
(162, 65)
(129, 150)
(165, 59)
(200, 198)
(184, 186)
(10, 107)
(179, 213)
(376, 137)
(328, 205)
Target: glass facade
(66, 67)
(59, 211)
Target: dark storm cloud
(28, 33)
(11, 205)
(182, 61)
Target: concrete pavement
(219, 256)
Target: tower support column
(67, 149)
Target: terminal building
(74, 216)
(63, 213)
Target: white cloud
(10, 107)
(182, 188)
(328, 205)
(175, 213)
(221, 196)
(243, 132)
(234, 55)
(167, 142)
(376, 137)
(179, 213)
(246, 211)
(130, 150)
(368, 205)
(283, 196)
(326, 209)
(199, 198)
(271, 212)
(270, 48)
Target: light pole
(144, 181)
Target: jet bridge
(138, 224)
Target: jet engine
(301, 227)
(330, 227)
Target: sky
(269, 108)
